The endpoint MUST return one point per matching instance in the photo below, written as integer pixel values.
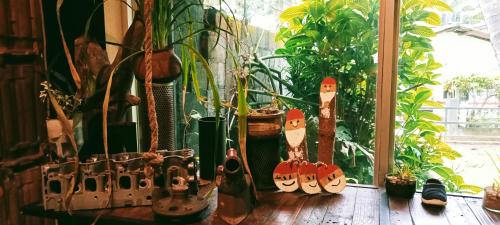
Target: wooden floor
(355, 206)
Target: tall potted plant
(491, 199)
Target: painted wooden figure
(327, 124)
(286, 176)
(331, 178)
(295, 133)
(308, 178)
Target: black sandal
(434, 193)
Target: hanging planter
(166, 66)
(263, 145)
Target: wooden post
(386, 88)
(327, 126)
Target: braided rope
(148, 58)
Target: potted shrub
(491, 199)
(401, 183)
(55, 129)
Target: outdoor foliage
(340, 39)
(418, 142)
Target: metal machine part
(234, 200)
(179, 200)
(56, 178)
(130, 186)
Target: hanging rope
(151, 156)
(153, 123)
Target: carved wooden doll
(331, 178)
(295, 133)
(286, 176)
(308, 178)
(327, 124)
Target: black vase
(212, 146)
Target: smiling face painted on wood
(331, 178)
(285, 176)
(307, 178)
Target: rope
(152, 157)
(153, 123)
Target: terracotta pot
(491, 199)
(263, 146)
(397, 187)
(166, 66)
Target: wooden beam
(386, 88)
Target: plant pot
(263, 146)
(402, 188)
(56, 134)
(491, 199)
(211, 153)
(166, 66)
(165, 114)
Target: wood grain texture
(367, 207)
(426, 215)
(340, 209)
(458, 212)
(399, 211)
(484, 216)
(354, 206)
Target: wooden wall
(22, 115)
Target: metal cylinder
(165, 113)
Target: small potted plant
(491, 199)
(68, 104)
(401, 183)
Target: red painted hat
(329, 80)
(286, 168)
(326, 169)
(294, 114)
(307, 168)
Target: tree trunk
(491, 13)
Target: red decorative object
(331, 178)
(286, 176)
(308, 178)
(295, 133)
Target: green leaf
(474, 189)
(423, 31)
(433, 19)
(294, 12)
(430, 115)
(422, 96)
(433, 104)
(443, 172)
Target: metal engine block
(130, 185)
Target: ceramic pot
(263, 146)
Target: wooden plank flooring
(356, 205)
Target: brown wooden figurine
(331, 178)
(295, 133)
(286, 176)
(327, 124)
(308, 178)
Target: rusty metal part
(235, 199)
(179, 200)
(131, 187)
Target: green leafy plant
(337, 39)
(68, 103)
(418, 143)
(340, 39)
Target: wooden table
(357, 205)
